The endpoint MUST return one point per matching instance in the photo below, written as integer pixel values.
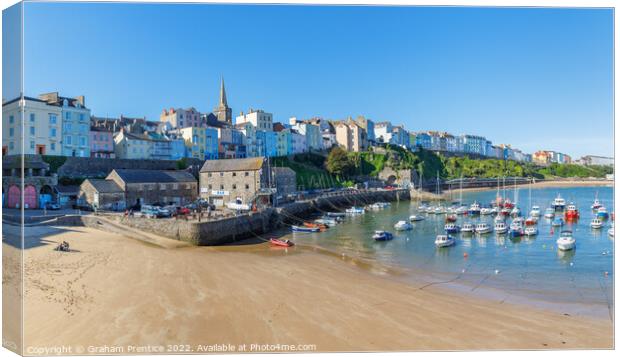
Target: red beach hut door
(13, 197)
(30, 197)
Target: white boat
(451, 228)
(430, 209)
(440, 210)
(474, 209)
(516, 225)
(468, 228)
(382, 236)
(423, 207)
(558, 203)
(461, 210)
(596, 205)
(566, 241)
(444, 240)
(535, 212)
(549, 213)
(330, 222)
(501, 227)
(416, 218)
(355, 210)
(531, 231)
(610, 232)
(485, 211)
(499, 218)
(516, 211)
(596, 223)
(335, 214)
(482, 228)
(403, 226)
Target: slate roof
(68, 189)
(248, 164)
(104, 186)
(154, 176)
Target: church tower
(222, 111)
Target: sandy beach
(116, 291)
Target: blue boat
(557, 222)
(305, 229)
(516, 232)
(602, 213)
(452, 228)
(382, 236)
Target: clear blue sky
(534, 78)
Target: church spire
(223, 102)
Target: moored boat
(403, 226)
(530, 231)
(549, 213)
(483, 228)
(558, 203)
(485, 211)
(451, 218)
(321, 226)
(330, 222)
(566, 241)
(305, 229)
(281, 243)
(501, 228)
(444, 240)
(571, 213)
(602, 213)
(474, 209)
(531, 221)
(355, 210)
(557, 222)
(467, 228)
(335, 214)
(382, 236)
(416, 218)
(596, 223)
(451, 228)
(535, 212)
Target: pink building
(101, 143)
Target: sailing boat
(515, 211)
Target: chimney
(82, 100)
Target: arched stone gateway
(14, 196)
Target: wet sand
(117, 291)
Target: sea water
(522, 270)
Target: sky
(536, 78)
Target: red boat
(530, 221)
(571, 213)
(508, 204)
(451, 218)
(321, 226)
(281, 243)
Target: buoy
(465, 255)
(462, 271)
(496, 271)
(571, 264)
(606, 273)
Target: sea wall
(89, 167)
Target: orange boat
(320, 226)
(281, 243)
(571, 213)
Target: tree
(338, 162)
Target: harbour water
(520, 270)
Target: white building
(132, 146)
(42, 127)
(75, 119)
(258, 118)
(314, 140)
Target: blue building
(423, 140)
(267, 143)
(75, 119)
(211, 144)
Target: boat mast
(461, 190)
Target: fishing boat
(566, 241)
(330, 222)
(571, 213)
(423, 207)
(501, 228)
(549, 213)
(531, 221)
(530, 231)
(597, 204)
(355, 210)
(483, 228)
(440, 210)
(416, 218)
(558, 203)
(474, 209)
(505, 211)
(596, 223)
(281, 243)
(602, 213)
(557, 222)
(320, 226)
(305, 229)
(451, 228)
(485, 211)
(515, 212)
(508, 204)
(516, 232)
(516, 225)
(335, 214)
(461, 210)
(382, 236)
(451, 218)
(444, 240)
(403, 226)
(499, 218)
(535, 212)
(468, 228)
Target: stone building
(102, 194)
(223, 112)
(155, 186)
(38, 182)
(235, 180)
(285, 179)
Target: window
(247, 174)
(52, 119)
(221, 187)
(209, 174)
(82, 141)
(221, 174)
(53, 132)
(11, 119)
(81, 117)
(32, 117)
(32, 130)
(67, 126)
(11, 145)
(67, 115)
(11, 131)
(247, 187)
(32, 144)
(234, 174)
(234, 186)
(68, 139)
(175, 186)
(210, 186)
(53, 146)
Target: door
(30, 197)
(41, 149)
(13, 197)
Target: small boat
(485, 211)
(610, 231)
(355, 210)
(596, 205)
(516, 232)
(508, 204)
(416, 218)
(501, 227)
(602, 213)
(596, 223)
(515, 212)
(335, 214)
(461, 210)
(382, 236)
(451, 228)
(403, 226)
(557, 222)
(530, 231)
(423, 207)
(444, 240)
(474, 209)
(535, 212)
(305, 229)
(558, 203)
(468, 228)
(531, 221)
(505, 211)
(320, 226)
(483, 228)
(499, 218)
(571, 212)
(281, 243)
(440, 210)
(549, 213)
(326, 221)
(566, 241)
(451, 218)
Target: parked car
(52, 206)
(183, 210)
(150, 211)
